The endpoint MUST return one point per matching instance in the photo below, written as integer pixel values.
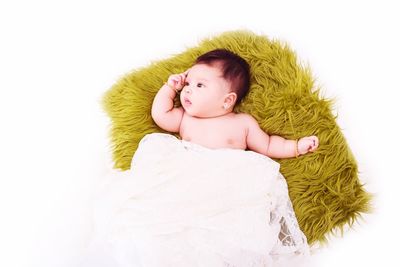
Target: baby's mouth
(187, 101)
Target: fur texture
(324, 185)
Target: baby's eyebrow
(199, 79)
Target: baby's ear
(230, 99)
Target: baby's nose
(187, 90)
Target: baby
(209, 91)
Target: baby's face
(204, 91)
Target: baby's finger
(173, 78)
(314, 146)
(315, 141)
(181, 80)
(172, 81)
(186, 72)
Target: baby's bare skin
(227, 131)
(206, 116)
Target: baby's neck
(226, 114)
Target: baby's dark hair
(234, 69)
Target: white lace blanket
(185, 205)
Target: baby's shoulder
(243, 116)
(245, 119)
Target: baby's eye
(200, 85)
(186, 84)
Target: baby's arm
(163, 112)
(275, 146)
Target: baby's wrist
(296, 148)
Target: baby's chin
(191, 112)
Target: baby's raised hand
(307, 144)
(177, 81)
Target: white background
(57, 58)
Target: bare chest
(221, 132)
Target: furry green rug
(324, 186)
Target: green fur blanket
(324, 185)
